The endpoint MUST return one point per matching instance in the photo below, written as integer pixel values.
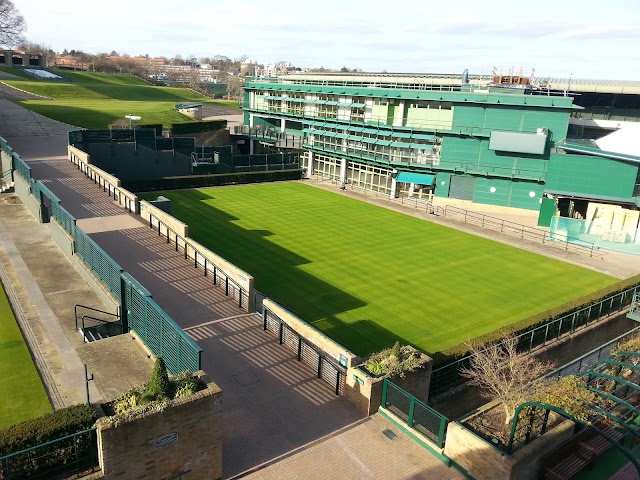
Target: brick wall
(187, 435)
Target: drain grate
(389, 434)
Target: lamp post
(131, 118)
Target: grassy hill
(94, 100)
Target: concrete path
(371, 449)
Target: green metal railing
(448, 376)
(66, 457)
(158, 331)
(417, 414)
(107, 270)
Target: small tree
(159, 384)
(503, 373)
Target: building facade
(497, 142)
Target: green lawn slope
(368, 276)
(22, 395)
(94, 100)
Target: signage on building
(166, 441)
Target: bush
(539, 319)
(198, 127)
(397, 360)
(159, 386)
(46, 428)
(198, 181)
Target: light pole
(131, 118)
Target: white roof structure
(624, 140)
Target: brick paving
(372, 449)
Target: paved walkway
(273, 403)
(372, 449)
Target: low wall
(109, 183)
(363, 390)
(484, 461)
(5, 163)
(77, 156)
(66, 244)
(174, 224)
(23, 190)
(185, 437)
(340, 354)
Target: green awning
(419, 178)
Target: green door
(548, 210)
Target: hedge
(52, 426)
(198, 127)
(155, 126)
(530, 323)
(197, 181)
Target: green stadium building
(492, 140)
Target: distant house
(22, 59)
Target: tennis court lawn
(22, 395)
(367, 276)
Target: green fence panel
(415, 413)
(158, 331)
(107, 270)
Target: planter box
(185, 436)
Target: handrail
(88, 317)
(537, 233)
(51, 442)
(75, 312)
(197, 252)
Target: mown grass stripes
(368, 276)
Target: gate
(462, 187)
(308, 353)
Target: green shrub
(394, 361)
(198, 181)
(198, 127)
(159, 386)
(46, 428)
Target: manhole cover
(246, 378)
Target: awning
(419, 178)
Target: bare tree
(501, 372)
(12, 24)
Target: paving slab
(370, 449)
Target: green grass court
(94, 100)
(368, 276)
(22, 395)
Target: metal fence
(448, 376)
(529, 233)
(327, 370)
(200, 260)
(66, 457)
(589, 359)
(158, 331)
(417, 414)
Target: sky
(591, 39)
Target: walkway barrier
(157, 330)
(589, 359)
(448, 376)
(417, 414)
(142, 314)
(522, 231)
(327, 369)
(202, 258)
(67, 457)
(109, 183)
